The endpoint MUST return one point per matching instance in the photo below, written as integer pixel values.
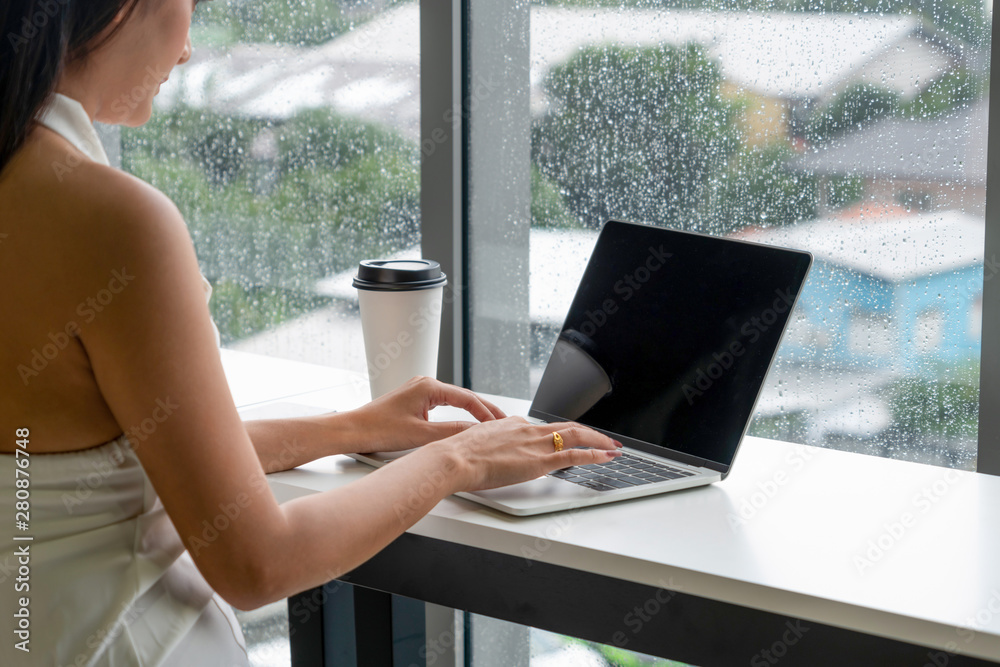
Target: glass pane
(265, 631)
(495, 643)
(290, 144)
(851, 130)
(551, 650)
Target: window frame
(988, 448)
(442, 173)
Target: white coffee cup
(400, 304)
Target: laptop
(666, 348)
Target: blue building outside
(899, 293)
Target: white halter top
(107, 580)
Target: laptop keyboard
(625, 471)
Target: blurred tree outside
(851, 110)
(842, 191)
(548, 208)
(862, 104)
(756, 189)
(621, 657)
(291, 22)
(638, 133)
(947, 405)
(273, 207)
(646, 134)
(954, 90)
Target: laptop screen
(669, 338)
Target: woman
(108, 329)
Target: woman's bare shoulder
(74, 210)
(108, 193)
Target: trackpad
(532, 491)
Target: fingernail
(617, 444)
(614, 455)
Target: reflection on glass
(573, 381)
(681, 328)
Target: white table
(803, 554)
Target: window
(855, 134)
(290, 144)
(653, 113)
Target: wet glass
(854, 131)
(289, 142)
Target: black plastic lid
(392, 275)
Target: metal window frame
(442, 172)
(988, 448)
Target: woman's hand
(399, 419)
(511, 450)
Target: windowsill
(885, 547)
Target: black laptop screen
(670, 337)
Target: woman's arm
(395, 421)
(333, 532)
(282, 444)
(153, 345)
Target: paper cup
(400, 303)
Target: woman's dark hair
(39, 38)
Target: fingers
(497, 412)
(582, 457)
(575, 435)
(581, 446)
(484, 411)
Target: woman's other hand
(399, 420)
(511, 450)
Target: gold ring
(557, 441)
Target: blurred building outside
(799, 62)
